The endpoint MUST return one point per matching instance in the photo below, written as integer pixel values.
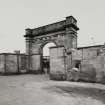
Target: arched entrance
(63, 33)
(46, 57)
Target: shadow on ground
(94, 93)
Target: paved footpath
(39, 90)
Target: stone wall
(97, 68)
(57, 63)
(13, 63)
(86, 53)
(92, 66)
(36, 63)
(2, 64)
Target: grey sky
(16, 15)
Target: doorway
(46, 58)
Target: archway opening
(46, 57)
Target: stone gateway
(66, 60)
(63, 33)
(88, 61)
